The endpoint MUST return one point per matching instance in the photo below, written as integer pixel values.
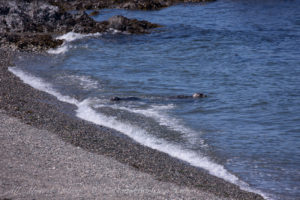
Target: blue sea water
(245, 55)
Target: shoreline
(43, 111)
(39, 165)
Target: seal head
(199, 95)
(115, 99)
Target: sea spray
(68, 38)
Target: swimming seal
(125, 99)
(194, 96)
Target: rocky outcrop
(29, 42)
(30, 24)
(145, 4)
(37, 16)
(125, 4)
(41, 17)
(154, 4)
(82, 4)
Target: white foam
(85, 82)
(85, 111)
(39, 84)
(59, 50)
(159, 114)
(114, 31)
(69, 37)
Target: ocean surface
(244, 55)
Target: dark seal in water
(194, 96)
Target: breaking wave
(68, 38)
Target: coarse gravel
(37, 164)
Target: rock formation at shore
(30, 25)
(125, 4)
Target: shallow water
(245, 55)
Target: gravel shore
(36, 164)
(46, 152)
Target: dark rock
(4, 10)
(41, 17)
(145, 4)
(84, 24)
(94, 13)
(81, 4)
(34, 16)
(38, 42)
(29, 42)
(124, 24)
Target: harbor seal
(124, 99)
(194, 96)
